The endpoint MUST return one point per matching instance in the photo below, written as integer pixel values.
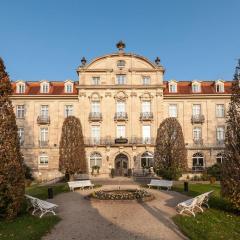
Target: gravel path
(89, 220)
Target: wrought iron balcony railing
(95, 116)
(43, 143)
(113, 141)
(220, 142)
(198, 118)
(198, 141)
(121, 116)
(43, 120)
(146, 116)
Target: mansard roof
(207, 87)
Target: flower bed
(134, 194)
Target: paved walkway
(90, 220)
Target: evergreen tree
(11, 161)
(170, 155)
(72, 156)
(231, 163)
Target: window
(146, 106)
(172, 110)
(21, 88)
(95, 131)
(173, 87)
(96, 80)
(197, 162)
(220, 111)
(120, 131)
(220, 87)
(44, 87)
(95, 159)
(146, 133)
(147, 159)
(121, 79)
(44, 111)
(196, 87)
(43, 135)
(219, 158)
(68, 110)
(21, 135)
(96, 107)
(220, 133)
(20, 111)
(43, 159)
(196, 109)
(121, 63)
(146, 80)
(197, 133)
(68, 88)
(120, 107)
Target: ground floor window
(197, 162)
(219, 158)
(95, 159)
(43, 159)
(147, 159)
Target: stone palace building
(121, 99)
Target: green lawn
(30, 227)
(218, 222)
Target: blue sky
(195, 39)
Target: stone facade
(120, 99)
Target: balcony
(146, 116)
(198, 118)
(95, 116)
(120, 116)
(121, 140)
(220, 142)
(43, 120)
(198, 141)
(43, 144)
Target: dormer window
(68, 87)
(146, 80)
(44, 87)
(121, 63)
(196, 87)
(21, 87)
(172, 87)
(219, 87)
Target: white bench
(194, 203)
(160, 183)
(80, 184)
(41, 205)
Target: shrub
(215, 171)
(28, 172)
(170, 173)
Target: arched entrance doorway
(121, 164)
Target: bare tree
(170, 155)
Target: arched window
(147, 159)
(197, 162)
(95, 159)
(219, 158)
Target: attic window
(121, 63)
(45, 87)
(172, 87)
(68, 88)
(21, 88)
(196, 87)
(220, 87)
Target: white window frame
(44, 87)
(146, 133)
(95, 107)
(21, 135)
(20, 111)
(121, 79)
(172, 87)
(95, 133)
(173, 110)
(46, 159)
(220, 87)
(196, 87)
(220, 110)
(220, 133)
(44, 134)
(146, 80)
(21, 87)
(146, 106)
(95, 158)
(121, 131)
(196, 109)
(95, 80)
(68, 88)
(120, 106)
(197, 133)
(44, 111)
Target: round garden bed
(116, 195)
